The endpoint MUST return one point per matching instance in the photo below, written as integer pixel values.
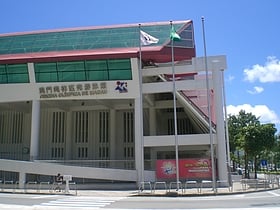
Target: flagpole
(209, 111)
(226, 126)
(175, 112)
(141, 109)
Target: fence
(37, 187)
(188, 187)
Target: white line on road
(44, 196)
(273, 193)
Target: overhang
(119, 41)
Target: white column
(35, 130)
(21, 180)
(138, 144)
(31, 73)
(35, 119)
(112, 133)
(220, 129)
(68, 136)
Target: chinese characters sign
(72, 90)
(188, 169)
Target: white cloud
(270, 72)
(266, 115)
(256, 90)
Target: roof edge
(94, 27)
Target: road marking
(80, 202)
(44, 196)
(13, 206)
(273, 193)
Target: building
(71, 101)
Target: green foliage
(236, 125)
(248, 135)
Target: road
(252, 201)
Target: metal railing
(37, 187)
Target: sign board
(264, 162)
(199, 168)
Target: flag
(147, 39)
(173, 35)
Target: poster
(195, 168)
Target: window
(71, 71)
(94, 70)
(58, 127)
(103, 135)
(82, 152)
(11, 127)
(81, 127)
(14, 73)
(57, 152)
(128, 141)
(46, 72)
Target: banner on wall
(199, 168)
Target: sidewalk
(238, 187)
(150, 189)
(242, 186)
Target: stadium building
(97, 103)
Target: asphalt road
(257, 200)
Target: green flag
(173, 35)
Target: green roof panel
(125, 36)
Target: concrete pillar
(31, 72)
(220, 128)
(22, 179)
(112, 132)
(138, 142)
(68, 137)
(35, 130)
(35, 119)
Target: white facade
(94, 125)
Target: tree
(276, 153)
(255, 140)
(235, 125)
(247, 134)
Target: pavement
(162, 189)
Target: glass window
(120, 75)
(3, 79)
(96, 65)
(45, 67)
(18, 78)
(98, 75)
(47, 77)
(65, 76)
(119, 64)
(119, 69)
(71, 66)
(3, 74)
(14, 73)
(17, 69)
(94, 70)
(46, 72)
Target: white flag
(147, 39)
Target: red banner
(188, 169)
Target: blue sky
(247, 32)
